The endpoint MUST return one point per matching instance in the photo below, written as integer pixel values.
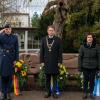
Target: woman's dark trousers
(89, 80)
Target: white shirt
(51, 36)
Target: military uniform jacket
(8, 53)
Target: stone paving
(39, 95)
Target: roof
(11, 14)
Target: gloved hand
(41, 65)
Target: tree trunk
(59, 6)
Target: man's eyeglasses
(50, 30)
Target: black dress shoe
(85, 96)
(3, 97)
(47, 95)
(55, 96)
(8, 96)
(92, 97)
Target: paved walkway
(38, 95)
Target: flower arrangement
(41, 77)
(79, 78)
(21, 70)
(62, 77)
(63, 71)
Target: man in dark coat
(9, 53)
(51, 58)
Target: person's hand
(3, 30)
(14, 63)
(59, 64)
(15, 69)
(79, 71)
(41, 65)
(97, 73)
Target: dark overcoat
(53, 57)
(9, 53)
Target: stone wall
(32, 59)
(69, 60)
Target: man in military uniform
(51, 58)
(9, 53)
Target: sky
(35, 6)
